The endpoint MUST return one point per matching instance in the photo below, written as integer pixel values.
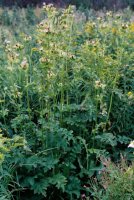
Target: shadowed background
(96, 4)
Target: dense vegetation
(66, 105)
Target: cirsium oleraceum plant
(68, 90)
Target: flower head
(24, 64)
(131, 145)
(7, 42)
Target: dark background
(96, 4)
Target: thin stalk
(111, 98)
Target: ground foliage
(115, 182)
(66, 101)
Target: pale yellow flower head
(131, 145)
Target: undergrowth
(67, 99)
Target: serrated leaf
(40, 187)
(59, 180)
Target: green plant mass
(66, 104)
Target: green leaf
(106, 139)
(73, 187)
(59, 180)
(40, 187)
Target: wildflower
(115, 22)
(103, 25)
(50, 74)
(62, 53)
(94, 43)
(13, 57)
(41, 49)
(130, 95)
(44, 60)
(18, 46)
(98, 85)
(99, 18)
(64, 26)
(7, 42)
(17, 94)
(46, 30)
(43, 27)
(41, 24)
(24, 64)
(131, 145)
(109, 14)
(8, 50)
(103, 112)
(50, 5)
(118, 15)
(124, 26)
(39, 41)
(71, 56)
(44, 4)
(27, 38)
(89, 27)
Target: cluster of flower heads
(14, 53)
(54, 42)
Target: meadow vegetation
(66, 104)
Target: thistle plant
(67, 89)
